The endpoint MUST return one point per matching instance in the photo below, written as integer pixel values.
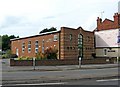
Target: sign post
(79, 62)
(34, 63)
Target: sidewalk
(58, 68)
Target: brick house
(107, 37)
(69, 42)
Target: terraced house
(69, 42)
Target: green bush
(40, 56)
(4, 56)
(24, 58)
(51, 53)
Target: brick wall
(69, 48)
(60, 62)
(99, 61)
(48, 42)
(43, 62)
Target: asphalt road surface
(88, 82)
(31, 76)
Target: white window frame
(43, 41)
(55, 37)
(23, 47)
(29, 48)
(105, 54)
(36, 48)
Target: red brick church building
(69, 42)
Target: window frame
(36, 46)
(23, 47)
(71, 37)
(29, 46)
(55, 38)
(105, 51)
(43, 48)
(80, 45)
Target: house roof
(108, 20)
(47, 33)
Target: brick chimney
(116, 19)
(99, 22)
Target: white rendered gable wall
(107, 38)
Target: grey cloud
(11, 21)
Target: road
(26, 76)
(110, 81)
(89, 82)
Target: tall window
(70, 37)
(43, 46)
(29, 46)
(105, 52)
(23, 47)
(80, 44)
(36, 46)
(88, 38)
(80, 41)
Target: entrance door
(17, 52)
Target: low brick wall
(42, 62)
(56, 62)
(21, 62)
(60, 62)
(99, 61)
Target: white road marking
(43, 84)
(103, 80)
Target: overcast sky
(28, 17)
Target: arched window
(105, 52)
(80, 41)
(80, 45)
(70, 37)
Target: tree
(52, 29)
(6, 41)
(12, 37)
(0, 42)
(48, 30)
